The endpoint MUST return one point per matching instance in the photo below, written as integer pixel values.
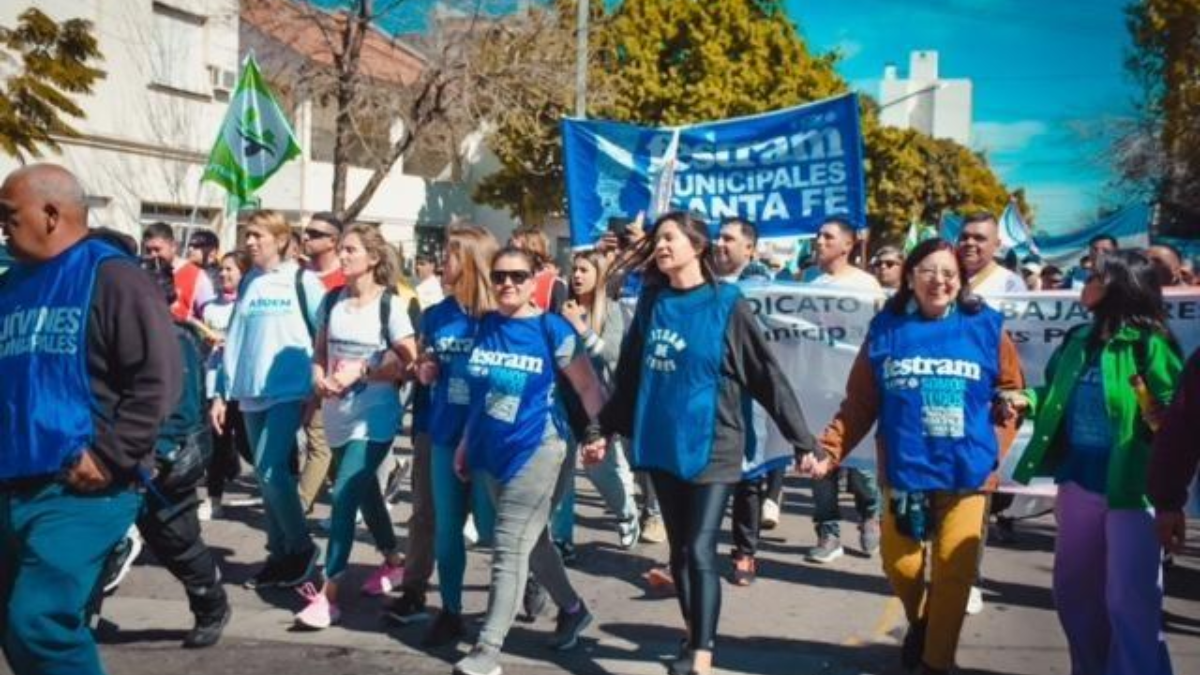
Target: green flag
(255, 138)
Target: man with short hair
(733, 260)
(1169, 263)
(978, 243)
(85, 389)
(888, 267)
(834, 243)
(1052, 278)
(193, 287)
(204, 250)
(320, 242)
(832, 248)
(1099, 245)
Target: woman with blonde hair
(265, 368)
(363, 348)
(447, 335)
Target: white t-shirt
(368, 411)
(851, 279)
(216, 316)
(996, 280)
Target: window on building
(177, 51)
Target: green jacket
(1160, 365)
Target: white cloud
(848, 48)
(999, 137)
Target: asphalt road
(798, 618)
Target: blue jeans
(53, 544)
(827, 514)
(272, 437)
(357, 488)
(451, 498)
(611, 478)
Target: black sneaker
(295, 569)
(568, 626)
(270, 575)
(207, 630)
(406, 609)
(447, 628)
(534, 601)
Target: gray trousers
(523, 538)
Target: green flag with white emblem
(255, 138)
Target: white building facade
(925, 102)
(170, 69)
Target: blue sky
(1040, 69)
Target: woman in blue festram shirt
(514, 443)
(694, 349)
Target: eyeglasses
(930, 273)
(317, 234)
(518, 277)
(887, 264)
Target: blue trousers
(53, 544)
(272, 437)
(451, 498)
(357, 488)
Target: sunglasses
(518, 277)
(887, 263)
(317, 234)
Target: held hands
(1008, 405)
(812, 467)
(427, 369)
(593, 453)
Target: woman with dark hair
(694, 348)
(513, 442)
(1093, 430)
(932, 361)
(229, 445)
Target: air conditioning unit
(223, 81)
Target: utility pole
(581, 56)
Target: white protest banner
(816, 333)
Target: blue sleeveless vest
(684, 346)
(936, 380)
(46, 400)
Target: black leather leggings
(692, 514)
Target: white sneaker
(126, 551)
(205, 511)
(770, 514)
(975, 601)
(470, 534)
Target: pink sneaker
(320, 613)
(385, 579)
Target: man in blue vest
(89, 368)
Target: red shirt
(333, 279)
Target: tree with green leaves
(661, 62)
(52, 63)
(1160, 155)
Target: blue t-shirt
(512, 374)
(450, 333)
(1088, 434)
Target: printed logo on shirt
(664, 345)
(453, 345)
(269, 306)
(458, 392)
(942, 384)
(506, 375)
(41, 330)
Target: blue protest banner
(785, 171)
